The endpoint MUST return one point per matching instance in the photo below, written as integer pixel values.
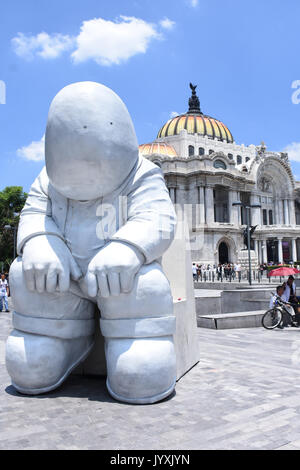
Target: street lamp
(248, 207)
(9, 227)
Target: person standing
(289, 294)
(3, 293)
(219, 272)
(238, 270)
(194, 271)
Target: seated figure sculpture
(96, 222)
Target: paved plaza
(244, 394)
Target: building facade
(206, 172)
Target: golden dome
(195, 122)
(157, 148)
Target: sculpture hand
(113, 269)
(48, 264)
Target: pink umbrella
(283, 272)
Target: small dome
(158, 148)
(195, 122)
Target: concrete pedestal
(243, 259)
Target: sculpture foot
(141, 401)
(140, 370)
(38, 364)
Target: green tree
(12, 200)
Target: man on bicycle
(289, 295)
(285, 319)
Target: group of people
(4, 292)
(287, 293)
(229, 271)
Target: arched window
(191, 150)
(239, 159)
(230, 156)
(219, 164)
(201, 151)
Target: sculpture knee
(16, 278)
(64, 306)
(24, 300)
(150, 297)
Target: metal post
(248, 242)
(14, 229)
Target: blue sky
(243, 55)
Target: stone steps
(222, 321)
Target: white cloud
(104, 41)
(194, 3)
(42, 45)
(293, 150)
(34, 151)
(166, 23)
(174, 114)
(107, 42)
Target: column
(233, 210)
(264, 251)
(280, 257)
(258, 251)
(292, 212)
(209, 205)
(172, 195)
(201, 204)
(276, 212)
(286, 212)
(294, 250)
(280, 210)
(238, 198)
(255, 212)
(192, 208)
(255, 247)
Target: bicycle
(273, 317)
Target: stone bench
(224, 321)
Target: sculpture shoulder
(44, 186)
(146, 169)
(41, 183)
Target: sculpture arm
(36, 216)
(151, 218)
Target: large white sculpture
(95, 224)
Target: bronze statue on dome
(193, 88)
(194, 103)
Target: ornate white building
(206, 171)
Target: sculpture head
(90, 142)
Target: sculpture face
(90, 143)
